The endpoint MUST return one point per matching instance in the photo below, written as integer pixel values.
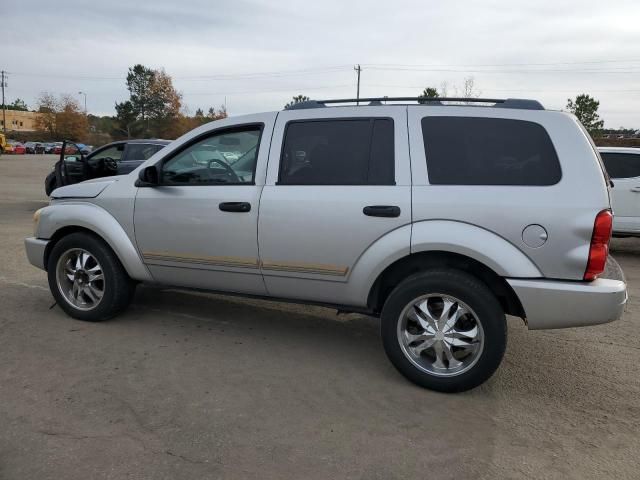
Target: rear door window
(488, 151)
(338, 152)
(141, 151)
(621, 165)
(114, 152)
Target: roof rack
(518, 103)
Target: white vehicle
(623, 166)
(439, 219)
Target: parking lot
(191, 385)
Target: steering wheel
(225, 167)
(110, 164)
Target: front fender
(96, 219)
(486, 247)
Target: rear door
(624, 170)
(338, 180)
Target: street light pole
(85, 101)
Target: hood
(87, 189)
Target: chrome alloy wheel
(80, 279)
(440, 335)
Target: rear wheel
(444, 330)
(87, 279)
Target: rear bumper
(35, 248)
(557, 304)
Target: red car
(69, 150)
(19, 149)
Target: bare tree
(469, 90)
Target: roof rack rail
(518, 103)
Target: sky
(256, 54)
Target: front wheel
(50, 184)
(87, 279)
(444, 330)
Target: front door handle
(635, 189)
(381, 211)
(235, 207)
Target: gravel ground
(191, 386)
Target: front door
(71, 167)
(338, 181)
(198, 228)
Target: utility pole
(4, 116)
(85, 101)
(358, 69)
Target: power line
(441, 67)
(229, 76)
(469, 70)
(504, 64)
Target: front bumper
(35, 248)
(558, 304)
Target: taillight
(599, 249)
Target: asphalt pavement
(192, 386)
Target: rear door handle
(381, 211)
(635, 189)
(235, 207)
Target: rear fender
(486, 247)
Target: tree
(219, 114)
(469, 89)
(585, 108)
(139, 80)
(71, 122)
(427, 93)
(18, 104)
(61, 118)
(297, 99)
(125, 117)
(164, 99)
(199, 113)
(154, 104)
(47, 106)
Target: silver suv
(438, 218)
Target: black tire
(475, 294)
(118, 288)
(50, 184)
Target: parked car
(50, 147)
(117, 158)
(34, 147)
(18, 148)
(623, 166)
(70, 148)
(438, 219)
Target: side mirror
(148, 177)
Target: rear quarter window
(488, 151)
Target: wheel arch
(426, 260)
(57, 221)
